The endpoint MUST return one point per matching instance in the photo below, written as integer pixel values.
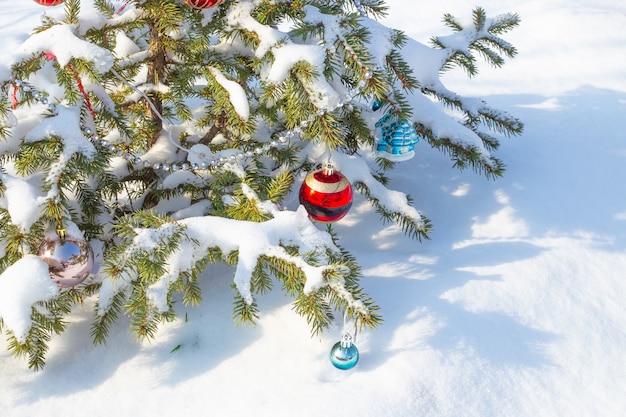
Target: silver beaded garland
(283, 138)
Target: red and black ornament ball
(49, 2)
(326, 194)
(203, 4)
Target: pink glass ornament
(70, 261)
(202, 4)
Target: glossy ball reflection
(70, 261)
(344, 355)
(49, 2)
(203, 4)
(326, 195)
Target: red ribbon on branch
(50, 56)
(122, 7)
(14, 101)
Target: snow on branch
(22, 285)
(239, 16)
(286, 228)
(458, 131)
(66, 125)
(250, 240)
(236, 93)
(62, 41)
(481, 37)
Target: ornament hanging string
(347, 334)
(344, 354)
(154, 109)
(50, 57)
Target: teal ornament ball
(344, 355)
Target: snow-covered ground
(514, 308)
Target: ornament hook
(329, 168)
(346, 340)
(344, 354)
(61, 231)
(347, 336)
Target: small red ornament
(326, 195)
(49, 2)
(202, 4)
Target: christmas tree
(144, 140)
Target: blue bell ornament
(396, 138)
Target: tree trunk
(156, 76)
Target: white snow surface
(20, 201)
(514, 308)
(21, 285)
(55, 41)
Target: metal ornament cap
(70, 261)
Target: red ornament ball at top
(49, 2)
(203, 4)
(326, 194)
